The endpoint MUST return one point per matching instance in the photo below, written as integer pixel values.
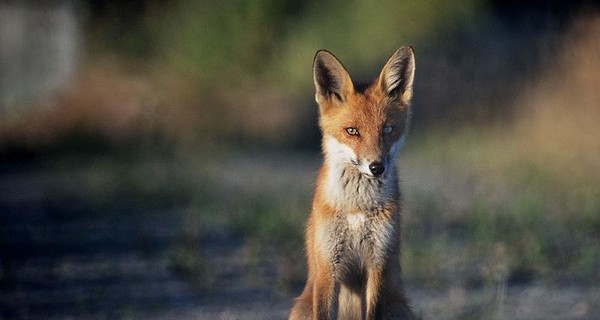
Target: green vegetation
(273, 42)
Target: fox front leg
(373, 290)
(325, 297)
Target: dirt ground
(58, 263)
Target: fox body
(353, 231)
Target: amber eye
(388, 129)
(352, 131)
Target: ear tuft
(330, 77)
(396, 77)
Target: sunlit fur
(353, 231)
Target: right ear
(332, 81)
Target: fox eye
(388, 129)
(352, 131)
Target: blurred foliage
(238, 73)
(124, 27)
(188, 73)
(241, 42)
(222, 43)
(364, 34)
(251, 61)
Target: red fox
(353, 231)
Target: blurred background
(157, 157)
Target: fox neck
(347, 189)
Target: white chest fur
(362, 228)
(353, 241)
(356, 221)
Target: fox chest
(352, 242)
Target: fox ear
(396, 77)
(332, 81)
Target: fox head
(363, 127)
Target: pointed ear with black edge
(396, 77)
(332, 81)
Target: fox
(352, 236)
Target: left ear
(396, 77)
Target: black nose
(376, 168)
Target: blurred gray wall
(38, 50)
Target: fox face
(363, 127)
